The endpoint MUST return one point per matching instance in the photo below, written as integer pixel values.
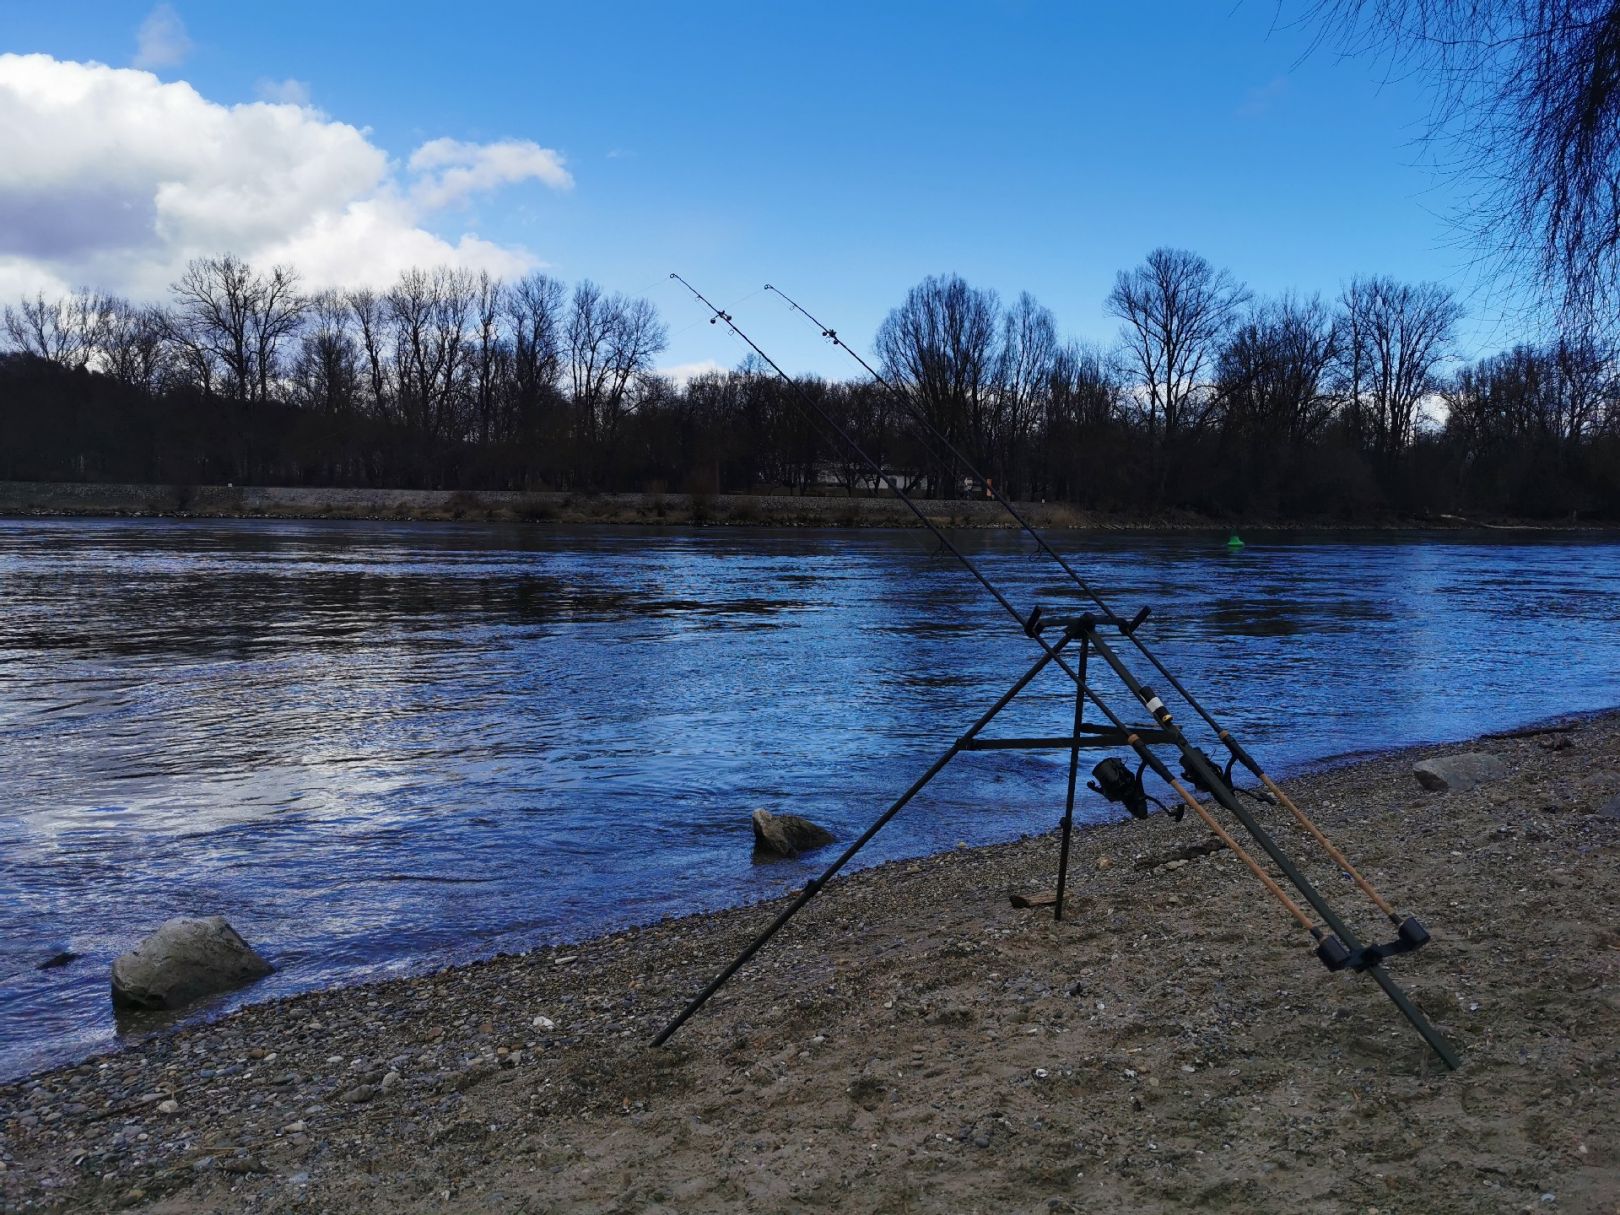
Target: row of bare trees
(447, 355)
(1198, 356)
(1211, 399)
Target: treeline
(1211, 400)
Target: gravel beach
(913, 1042)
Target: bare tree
(326, 372)
(1271, 375)
(370, 313)
(429, 311)
(1176, 310)
(609, 342)
(490, 353)
(940, 347)
(534, 314)
(1396, 335)
(133, 345)
(278, 308)
(64, 331)
(228, 315)
(1528, 93)
(1029, 344)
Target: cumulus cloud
(162, 40)
(114, 179)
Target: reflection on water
(374, 745)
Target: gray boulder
(787, 834)
(1459, 773)
(183, 961)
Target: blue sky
(841, 151)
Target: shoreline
(34, 499)
(911, 1040)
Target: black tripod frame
(1338, 947)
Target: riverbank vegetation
(1212, 400)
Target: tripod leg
(1074, 772)
(815, 884)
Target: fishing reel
(1198, 782)
(1118, 784)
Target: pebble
(294, 1128)
(171, 1106)
(359, 1094)
(544, 1023)
(388, 1081)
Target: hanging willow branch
(1528, 93)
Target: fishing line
(1132, 738)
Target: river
(376, 747)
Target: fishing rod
(1234, 748)
(1337, 948)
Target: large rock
(1458, 773)
(787, 834)
(183, 961)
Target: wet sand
(913, 1042)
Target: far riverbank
(89, 499)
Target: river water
(376, 747)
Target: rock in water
(787, 834)
(183, 961)
(1458, 773)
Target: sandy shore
(914, 1043)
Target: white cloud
(448, 170)
(684, 373)
(282, 92)
(115, 179)
(162, 40)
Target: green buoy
(1235, 543)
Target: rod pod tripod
(1337, 947)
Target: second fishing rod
(932, 434)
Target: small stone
(1105, 862)
(787, 834)
(388, 1081)
(182, 961)
(294, 1128)
(359, 1094)
(1459, 773)
(171, 1106)
(544, 1023)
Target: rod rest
(1036, 622)
(1411, 936)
